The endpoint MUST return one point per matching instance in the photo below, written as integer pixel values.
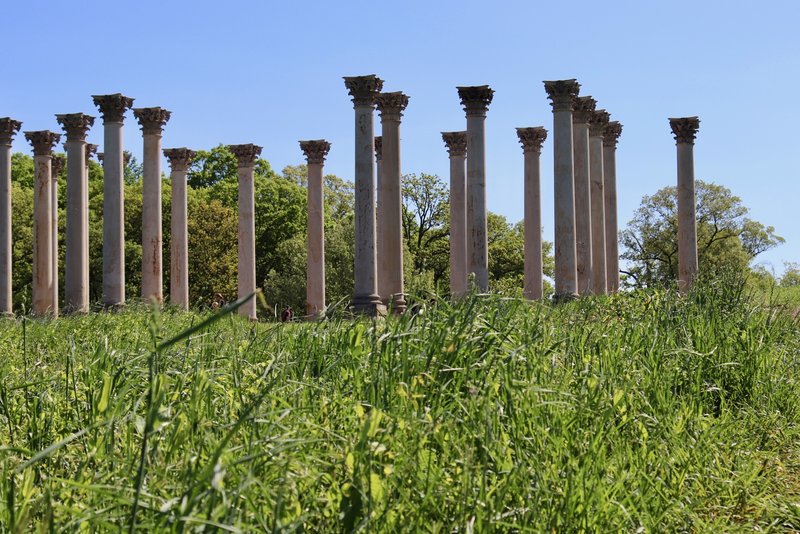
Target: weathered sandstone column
(152, 121)
(685, 131)
(584, 107)
(363, 90)
(456, 143)
(597, 124)
(76, 270)
(179, 161)
(246, 155)
(563, 94)
(8, 129)
(113, 108)
(476, 100)
(391, 107)
(611, 134)
(56, 165)
(382, 280)
(532, 140)
(43, 143)
(315, 152)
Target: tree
(426, 214)
(507, 256)
(726, 237)
(791, 274)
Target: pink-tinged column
(179, 161)
(611, 135)
(246, 156)
(56, 165)
(456, 143)
(382, 279)
(8, 129)
(685, 131)
(584, 107)
(315, 152)
(532, 140)
(597, 124)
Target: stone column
(76, 270)
(43, 143)
(611, 134)
(8, 129)
(597, 124)
(685, 131)
(246, 156)
(363, 90)
(380, 235)
(179, 161)
(315, 152)
(476, 100)
(456, 143)
(391, 107)
(532, 140)
(56, 164)
(152, 121)
(584, 107)
(113, 108)
(562, 93)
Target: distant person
(287, 314)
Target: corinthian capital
(91, 150)
(378, 142)
(56, 164)
(152, 120)
(597, 122)
(315, 150)
(246, 155)
(42, 142)
(113, 107)
(583, 108)
(685, 129)
(391, 105)
(456, 143)
(8, 129)
(562, 93)
(76, 125)
(475, 99)
(532, 139)
(179, 158)
(611, 133)
(363, 89)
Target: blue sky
(270, 73)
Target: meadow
(640, 412)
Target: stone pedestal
(315, 152)
(685, 131)
(391, 107)
(456, 143)
(363, 90)
(8, 129)
(532, 140)
(43, 143)
(597, 125)
(246, 156)
(76, 269)
(562, 93)
(179, 161)
(611, 134)
(476, 100)
(113, 108)
(152, 121)
(56, 165)
(584, 107)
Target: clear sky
(269, 73)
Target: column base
(369, 305)
(565, 297)
(396, 304)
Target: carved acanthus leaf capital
(611, 133)
(247, 154)
(378, 142)
(126, 157)
(597, 122)
(475, 99)
(315, 150)
(456, 143)
(152, 120)
(76, 125)
(532, 139)
(179, 158)
(391, 105)
(91, 150)
(562, 93)
(56, 164)
(42, 142)
(113, 107)
(685, 129)
(363, 89)
(583, 108)
(8, 129)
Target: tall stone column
(179, 161)
(56, 165)
(584, 107)
(391, 107)
(597, 124)
(43, 143)
(476, 100)
(611, 134)
(562, 93)
(315, 152)
(152, 121)
(246, 156)
(76, 270)
(113, 108)
(8, 129)
(382, 281)
(456, 143)
(532, 140)
(363, 90)
(685, 131)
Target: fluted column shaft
(246, 156)
(179, 160)
(599, 278)
(8, 129)
(584, 106)
(532, 140)
(315, 152)
(610, 135)
(456, 143)
(685, 130)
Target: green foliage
(791, 274)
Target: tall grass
(638, 411)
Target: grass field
(638, 412)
